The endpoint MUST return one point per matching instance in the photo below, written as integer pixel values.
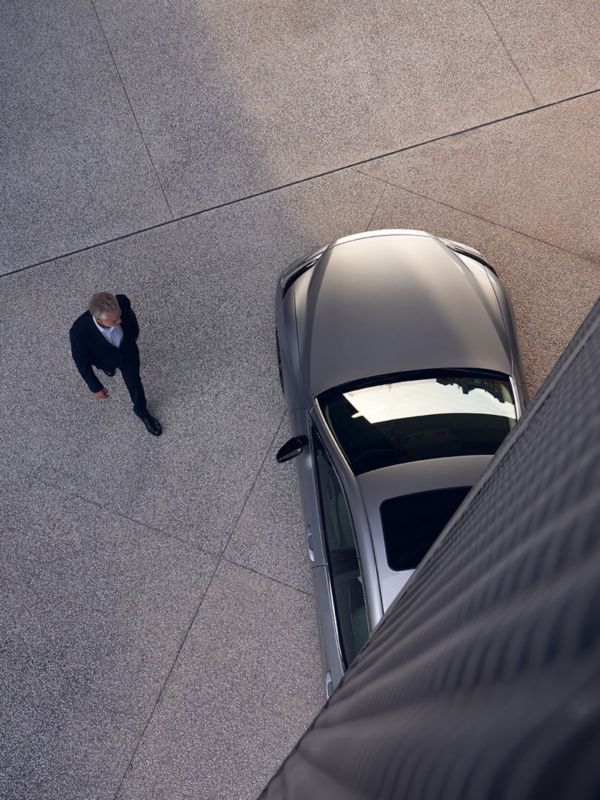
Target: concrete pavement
(158, 637)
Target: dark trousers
(130, 371)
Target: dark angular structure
(483, 679)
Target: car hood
(379, 304)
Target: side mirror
(292, 448)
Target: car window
(449, 413)
(411, 523)
(344, 563)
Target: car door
(338, 582)
(300, 425)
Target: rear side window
(412, 523)
(344, 561)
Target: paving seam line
(307, 179)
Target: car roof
(395, 301)
(380, 485)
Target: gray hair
(103, 303)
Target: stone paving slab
(75, 170)
(70, 694)
(74, 551)
(269, 536)
(555, 45)
(203, 290)
(246, 685)
(94, 609)
(236, 98)
(522, 173)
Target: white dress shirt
(112, 335)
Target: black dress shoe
(109, 372)
(152, 424)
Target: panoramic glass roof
(411, 523)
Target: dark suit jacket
(90, 349)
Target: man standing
(105, 337)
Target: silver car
(400, 366)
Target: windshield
(441, 415)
